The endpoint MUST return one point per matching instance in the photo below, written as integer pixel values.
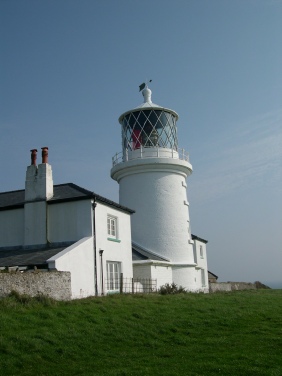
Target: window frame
(112, 227)
(113, 269)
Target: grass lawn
(238, 333)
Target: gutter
(162, 263)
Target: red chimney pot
(45, 154)
(33, 156)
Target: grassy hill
(238, 333)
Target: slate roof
(210, 274)
(12, 199)
(62, 193)
(194, 237)
(24, 257)
(140, 253)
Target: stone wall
(231, 286)
(56, 285)
(242, 286)
(223, 286)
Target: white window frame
(113, 276)
(112, 227)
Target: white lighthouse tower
(151, 171)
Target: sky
(69, 69)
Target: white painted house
(151, 171)
(68, 228)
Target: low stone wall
(231, 286)
(56, 285)
(222, 286)
(242, 286)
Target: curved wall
(160, 223)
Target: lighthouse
(151, 172)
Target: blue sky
(68, 69)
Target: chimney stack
(39, 181)
(38, 190)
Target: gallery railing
(150, 152)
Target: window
(201, 251)
(112, 227)
(113, 276)
(203, 277)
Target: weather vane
(144, 84)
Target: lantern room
(149, 126)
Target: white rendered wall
(116, 251)
(202, 264)
(163, 274)
(69, 221)
(161, 221)
(39, 182)
(149, 270)
(35, 223)
(11, 228)
(188, 277)
(142, 270)
(185, 276)
(79, 260)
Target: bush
(168, 289)
(20, 298)
(25, 299)
(260, 285)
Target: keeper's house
(66, 228)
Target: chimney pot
(33, 156)
(45, 154)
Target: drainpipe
(102, 274)
(44, 155)
(94, 204)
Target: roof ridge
(79, 188)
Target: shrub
(20, 298)
(25, 299)
(4, 270)
(168, 289)
(260, 285)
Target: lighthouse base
(190, 277)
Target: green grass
(238, 333)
